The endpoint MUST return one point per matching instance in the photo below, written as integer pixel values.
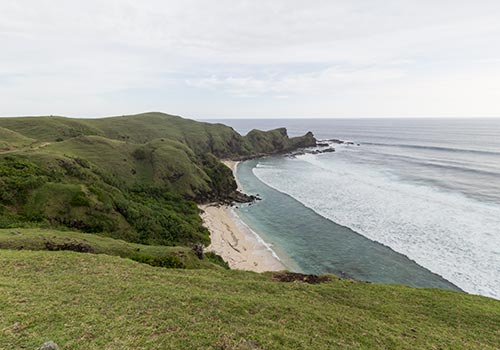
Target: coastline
(236, 243)
(233, 165)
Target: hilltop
(136, 178)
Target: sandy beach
(234, 241)
(232, 164)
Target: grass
(131, 177)
(39, 239)
(51, 190)
(11, 140)
(86, 301)
(134, 179)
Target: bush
(216, 259)
(169, 261)
(80, 200)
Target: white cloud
(327, 81)
(85, 58)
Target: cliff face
(277, 141)
(132, 177)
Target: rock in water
(50, 345)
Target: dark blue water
(427, 188)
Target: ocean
(411, 201)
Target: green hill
(218, 139)
(133, 177)
(87, 301)
(155, 255)
(10, 140)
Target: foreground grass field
(90, 301)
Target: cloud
(85, 58)
(326, 81)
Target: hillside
(86, 301)
(135, 178)
(100, 239)
(10, 140)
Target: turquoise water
(427, 188)
(310, 243)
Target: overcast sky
(256, 58)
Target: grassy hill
(10, 140)
(87, 301)
(154, 255)
(93, 210)
(135, 178)
(218, 139)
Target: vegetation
(10, 140)
(87, 301)
(155, 255)
(92, 211)
(135, 178)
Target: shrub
(169, 261)
(216, 259)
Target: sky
(251, 59)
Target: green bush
(169, 261)
(80, 200)
(216, 259)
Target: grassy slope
(85, 301)
(51, 190)
(10, 139)
(201, 137)
(131, 177)
(38, 239)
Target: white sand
(234, 241)
(233, 164)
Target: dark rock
(79, 247)
(198, 249)
(337, 141)
(320, 151)
(299, 277)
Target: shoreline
(233, 165)
(234, 241)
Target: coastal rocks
(320, 151)
(321, 146)
(311, 151)
(50, 345)
(239, 197)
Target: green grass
(200, 137)
(86, 301)
(51, 190)
(11, 140)
(132, 177)
(39, 239)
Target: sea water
(417, 202)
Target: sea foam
(448, 233)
